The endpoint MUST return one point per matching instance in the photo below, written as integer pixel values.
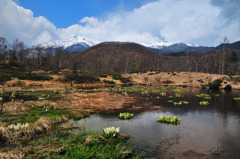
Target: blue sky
(148, 22)
(64, 13)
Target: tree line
(121, 58)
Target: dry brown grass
(192, 79)
(6, 136)
(14, 107)
(44, 124)
(11, 155)
(99, 101)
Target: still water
(206, 131)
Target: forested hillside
(122, 57)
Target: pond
(205, 131)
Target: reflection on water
(211, 131)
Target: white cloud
(197, 22)
(17, 22)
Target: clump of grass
(169, 120)
(125, 115)
(30, 95)
(163, 94)
(180, 102)
(177, 103)
(209, 97)
(184, 102)
(204, 103)
(86, 145)
(178, 95)
(204, 96)
(6, 136)
(217, 95)
(237, 98)
(34, 113)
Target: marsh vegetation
(66, 115)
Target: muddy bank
(189, 79)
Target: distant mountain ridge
(78, 44)
(75, 44)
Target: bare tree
(39, 49)
(21, 51)
(224, 52)
(3, 48)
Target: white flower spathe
(110, 130)
(18, 126)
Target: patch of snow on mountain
(69, 42)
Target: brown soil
(191, 79)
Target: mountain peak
(77, 42)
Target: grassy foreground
(88, 145)
(38, 131)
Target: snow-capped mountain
(77, 43)
(159, 45)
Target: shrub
(151, 73)
(116, 76)
(215, 84)
(4, 77)
(102, 75)
(33, 76)
(86, 78)
(167, 82)
(82, 78)
(108, 82)
(125, 80)
(122, 79)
